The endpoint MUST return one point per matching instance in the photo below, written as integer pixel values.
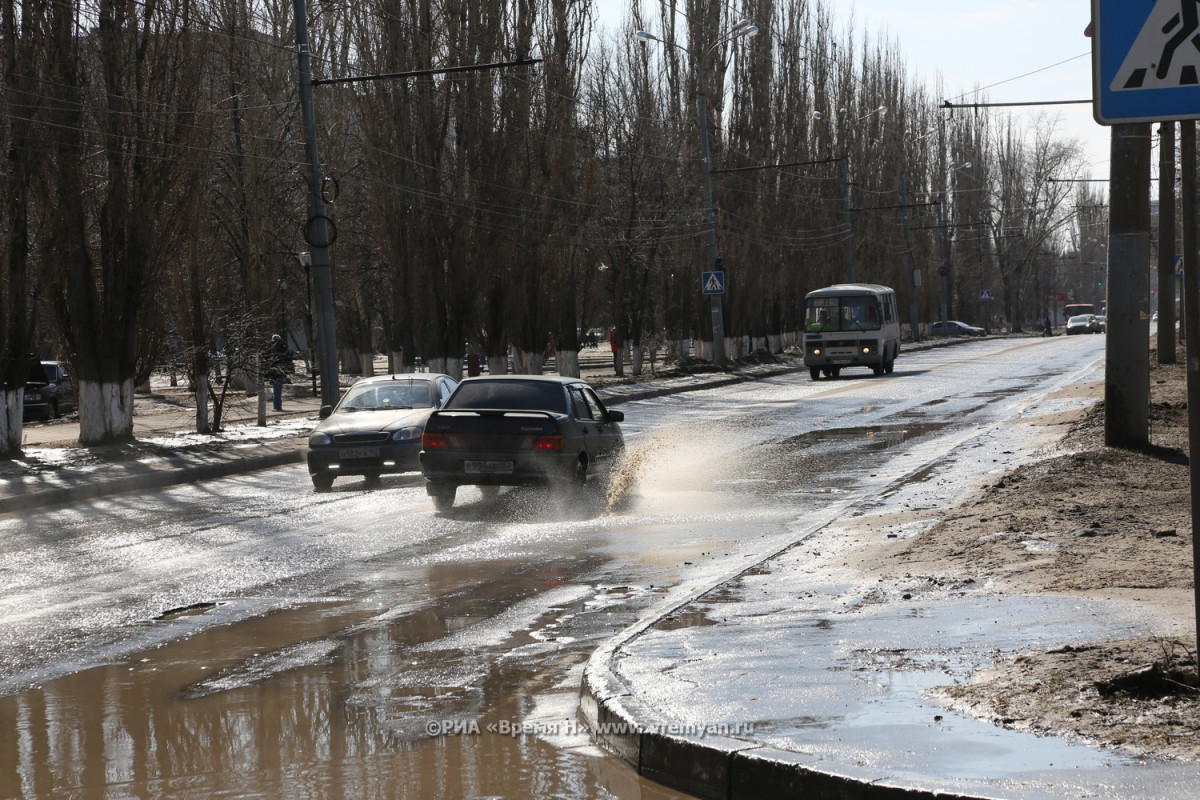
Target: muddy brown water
(334, 700)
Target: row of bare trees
(153, 195)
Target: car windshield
(510, 395)
(383, 396)
(842, 314)
(1082, 319)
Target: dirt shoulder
(1098, 522)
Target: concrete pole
(1191, 290)
(1127, 370)
(844, 179)
(914, 283)
(1166, 243)
(317, 229)
(714, 259)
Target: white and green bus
(850, 325)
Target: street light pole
(317, 228)
(714, 258)
(742, 28)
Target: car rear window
(38, 374)
(510, 396)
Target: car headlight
(319, 439)
(407, 434)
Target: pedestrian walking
(279, 366)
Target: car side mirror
(616, 416)
(325, 411)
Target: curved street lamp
(744, 28)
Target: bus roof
(843, 289)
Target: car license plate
(359, 452)
(488, 467)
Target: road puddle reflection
(458, 695)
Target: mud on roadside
(1098, 522)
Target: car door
(608, 440)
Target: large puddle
(465, 695)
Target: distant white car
(955, 328)
(1083, 323)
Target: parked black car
(517, 430)
(49, 391)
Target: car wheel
(581, 474)
(890, 366)
(814, 373)
(836, 371)
(443, 497)
(322, 483)
(877, 369)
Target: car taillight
(547, 443)
(433, 441)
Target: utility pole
(844, 179)
(944, 267)
(318, 230)
(1127, 370)
(1166, 243)
(714, 259)
(1191, 290)
(914, 277)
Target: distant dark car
(375, 428)
(1083, 323)
(517, 430)
(955, 328)
(49, 391)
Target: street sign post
(1145, 64)
(713, 282)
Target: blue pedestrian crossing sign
(713, 282)
(1145, 60)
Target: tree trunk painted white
(568, 363)
(497, 365)
(262, 407)
(445, 365)
(366, 363)
(12, 424)
(775, 343)
(531, 362)
(105, 412)
(396, 362)
(635, 363)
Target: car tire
(814, 373)
(322, 483)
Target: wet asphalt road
(248, 638)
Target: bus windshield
(842, 314)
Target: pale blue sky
(986, 43)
